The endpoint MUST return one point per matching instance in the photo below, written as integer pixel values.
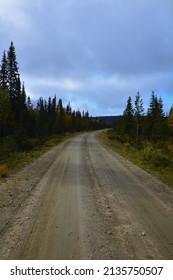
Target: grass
(154, 159)
(142, 158)
(3, 170)
(17, 160)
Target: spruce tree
(138, 113)
(68, 109)
(6, 116)
(50, 115)
(170, 121)
(60, 117)
(156, 118)
(24, 108)
(128, 118)
(4, 72)
(42, 117)
(54, 112)
(13, 79)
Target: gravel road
(81, 200)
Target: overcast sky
(93, 53)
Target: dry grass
(3, 170)
(164, 167)
(17, 160)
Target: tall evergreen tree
(54, 113)
(4, 72)
(156, 118)
(128, 118)
(138, 113)
(60, 117)
(170, 119)
(24, 108)
(42, 117)
(68, 109)
(6, 114)
(13, 79)
(51, 109)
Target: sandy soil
(81, 200)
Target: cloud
(62, 84)
(94, 53)
(12, 15)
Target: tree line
(135, 126)
(22, 121)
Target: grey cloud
(113, 48)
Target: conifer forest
(23, 125)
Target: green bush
(155, 156)
(111, 137)
(7, 147)
(26, 144)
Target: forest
(136, 127)
(145, 136)
(23, 125)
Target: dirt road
(91, 203)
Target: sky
(92, 53)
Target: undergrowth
(3, 170)
(11, 160)
(156, 158)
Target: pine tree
(17, 104)
(31, 118)
(4, 72)
(138, 113)
(6, 116)
(170, 119)
(42, 117)
(13, 79)
(60, 107)
(156, 118)
(60, 117)
(68, 109)
(51, 111)
(128, 118)
(24, 109)
(54, 113)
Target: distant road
(98, 205)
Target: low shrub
(155, 156)
(3, 170)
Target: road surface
(98, 205)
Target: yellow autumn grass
(163, 171)
(15, 161)
(3, 170)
